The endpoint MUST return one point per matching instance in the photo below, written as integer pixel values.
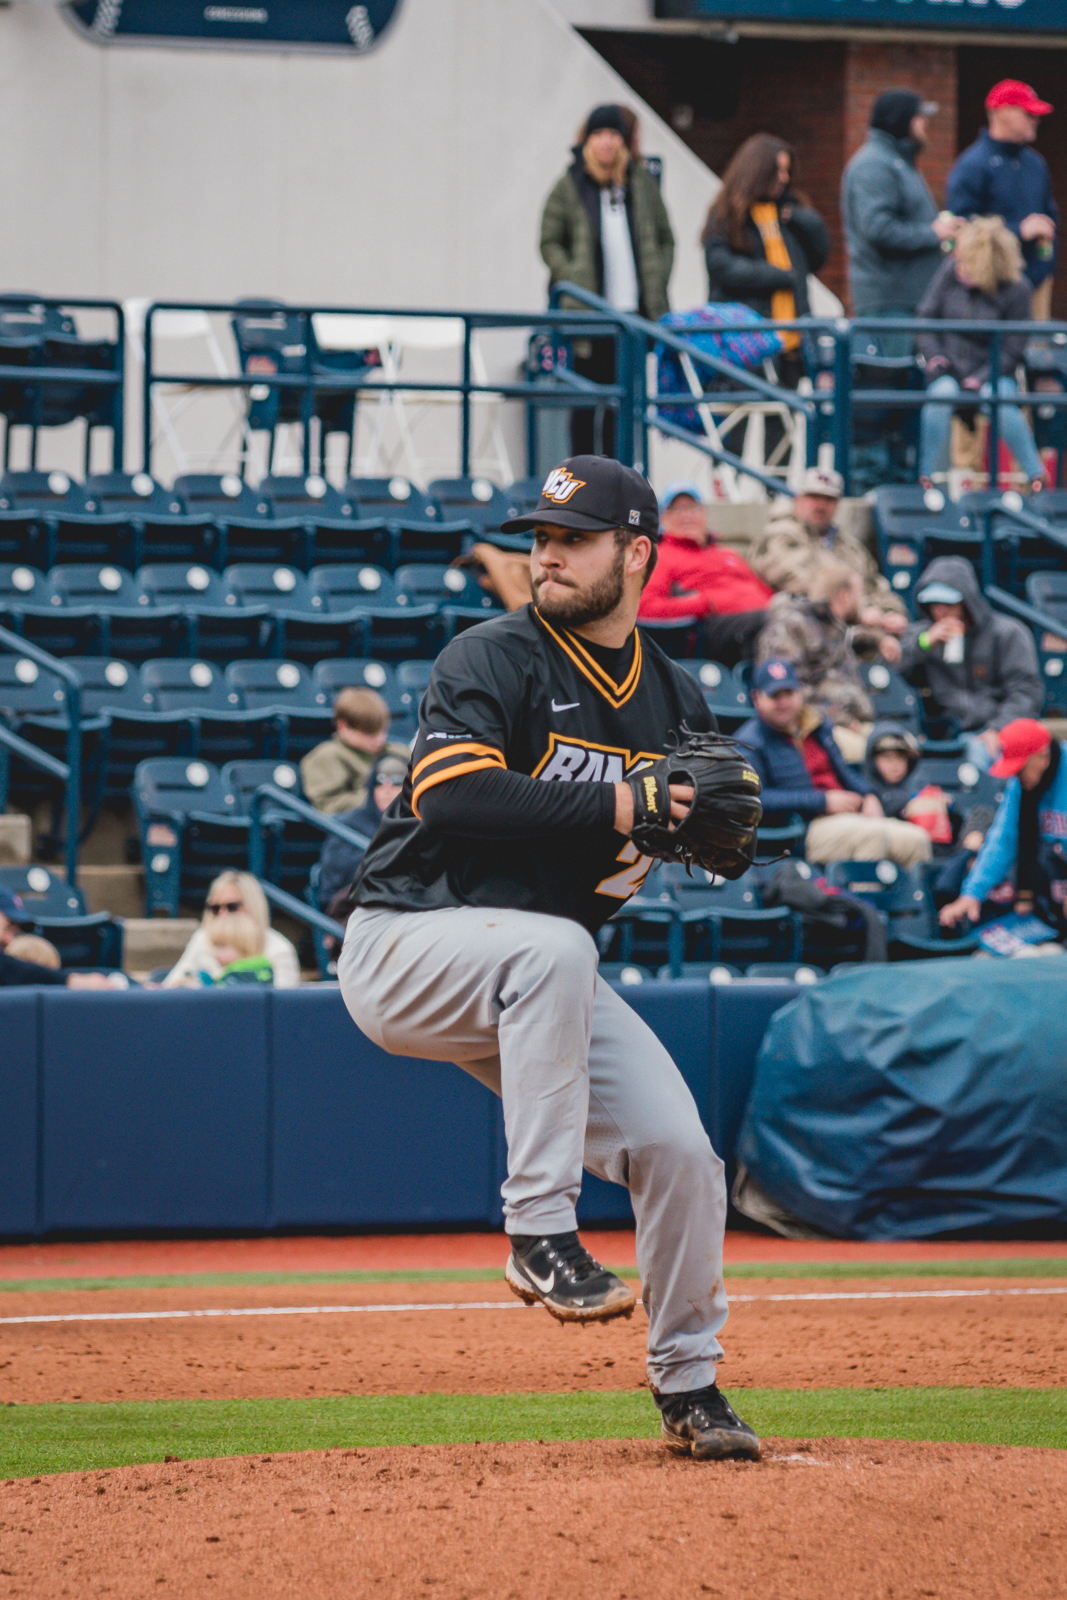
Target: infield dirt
(865, 1520)
(993, 1338)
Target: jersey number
(621, 885)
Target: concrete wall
(414, 175)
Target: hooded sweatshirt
(998, 678)
(894, 797)
(888, 214)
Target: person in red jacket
(696, 577)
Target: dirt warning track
(475, 1338)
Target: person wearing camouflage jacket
(819, 637)
(801, 536)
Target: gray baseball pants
(515, 999)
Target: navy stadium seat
(330, 677)
(475, 500)
(57, 913)
(429, 541)
(523, 496)
(191, 830)
(41, 491)
(412, 679)
(677, 637)
(134, 493)
(293, 844)
(279, 588)
(285, 689)
(723, 689)
(133, 628)
(221, 729)
(893, 698)
(27, 689)
(394, 499)
(218, 495)
(290, 495)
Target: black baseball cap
(592, 493)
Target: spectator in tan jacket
(802, 535)
(336, 772)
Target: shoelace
(710, 1402)
(572, 1256)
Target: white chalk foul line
(500, 1305)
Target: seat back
(391, 498)
(220, 495)
(176, 785)
(263, 685)
(292, 496)
(180, 583)
(475, 500)
(893, 697)
(279, 588)
(342, 588)
(41, 491)
(27, 689)
(107, 684)
(242, 778)
(677, 637)
(330, 677)
(523, 496)
(135, 493)
(429, 541)
(105, 587)
(23, 586)
(1047, 591)
(179, 685)
(437, 584)
(42, 893)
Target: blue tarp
(912, 1100)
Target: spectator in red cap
(697, 577)
(1001, 175)
(1029, 831)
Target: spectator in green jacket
(605, 228)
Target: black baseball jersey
(509, 798)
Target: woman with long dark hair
(762, 237)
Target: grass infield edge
(86, 1436)
(1014, 1267)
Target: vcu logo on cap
(560, 485)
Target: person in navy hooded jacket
(1001, 175)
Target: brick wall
(818, 96)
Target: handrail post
(72, 686)
(623, 406)
(994, 412)
(118, 408)
(465, 416)
(308, 405)
(146, 394)
(256, 851)
(74, 780)
(842, 429)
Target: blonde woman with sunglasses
(231, 893)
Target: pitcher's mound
(858, 1519)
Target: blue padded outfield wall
(254, 1110)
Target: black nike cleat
(700, 1423)
(560, 1273)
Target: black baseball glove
(719, 831)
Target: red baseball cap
(1010, 92)
(1019, 740)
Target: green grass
(1017, 1267)
(38, 1439)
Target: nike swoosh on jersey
(570, 706)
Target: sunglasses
(215, 906)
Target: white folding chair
(171, 401)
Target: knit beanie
(605, 117)
(893, 111)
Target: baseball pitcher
(558, 753)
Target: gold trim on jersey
(616, 694)
(486, 756)
(629, 762)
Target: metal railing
(359, 381)
(268, 797)
(35, 378)
(68, 772)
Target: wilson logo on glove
(651, 799)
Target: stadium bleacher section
(204, 678)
